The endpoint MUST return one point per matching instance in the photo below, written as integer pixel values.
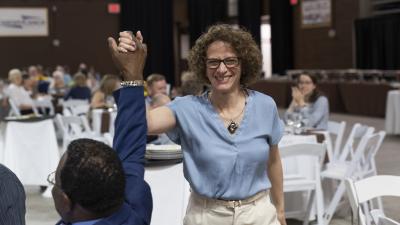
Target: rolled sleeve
(277, 128)
(173, 134)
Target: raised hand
(130, 63)
(297, 96)
(126, 42)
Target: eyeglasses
(305, 82)
(229, 62)
(51, 178)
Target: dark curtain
(154, 19)
(281, 35)
(250, 17)
(204, 13)
(378, 42)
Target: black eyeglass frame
(235, 60)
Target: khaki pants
(256, 210)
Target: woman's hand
(130, 62)
(281, 218)
(298, 97)
(126, 42)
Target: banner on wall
(316, 13)
(16, 22)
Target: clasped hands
(298, 97)
(129, 56)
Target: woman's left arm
(321, 109)
(275, 175)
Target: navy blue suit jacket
(130, 144)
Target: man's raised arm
(131, 128)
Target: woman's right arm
(160, 120)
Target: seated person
(102, 98)
(17, 93)
(190, 84)
(309, 102)
(12, 198)
(79, 90)
(156, 84)
(157, 101)
(57, 87)
(30, 85)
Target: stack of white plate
(163, 152)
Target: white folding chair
(363, 191)
(44, 103)
(358, 131)
(14, 110)
(75, 107)
(380, 218)
(310, 184)
(75, 127)
(337, 129)
(367, 164)
(342, 170)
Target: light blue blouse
(216, 163)
(317, 114)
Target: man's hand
(130, 63)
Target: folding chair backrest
(358, 132)
(14, 108)
(367, 159)
(337, 129)
(310, 149)
(75, 107)
(306, 149)
(60, 124)
(45, 103)
(74, 125)
(369, 188)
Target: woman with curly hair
(229, 134)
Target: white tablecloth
(31, 151)
(392, 120)
(170, 194)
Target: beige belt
(234, 203)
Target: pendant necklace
(232, 126)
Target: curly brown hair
(242, 43)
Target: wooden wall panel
(81, 26)
(314, 49)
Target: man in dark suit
(96, 185)
(12, 198)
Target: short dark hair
(93, 176)
(241, 42)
